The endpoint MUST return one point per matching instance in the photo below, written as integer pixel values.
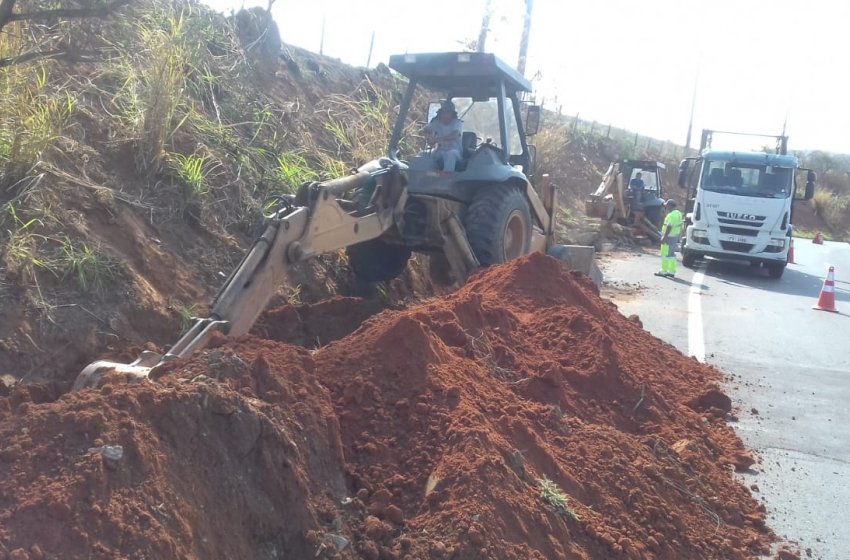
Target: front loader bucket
(580, 258)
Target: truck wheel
(775, 270)
(377, 261)
(688, 259)
(498, 224)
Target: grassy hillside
(133, 180)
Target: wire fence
(632, 144)
(630, 141)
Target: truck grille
(739, 231)
(736, 247)
(735, 219)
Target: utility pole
(485, 26)
(523, 43)
(371, 46)
(322, 40)
(693, 105)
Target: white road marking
(696, 343)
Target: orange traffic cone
(826, 301)
(791, 252)
(818, 240)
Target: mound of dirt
(234, 456)
(521, 417)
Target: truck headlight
(776, 245)
(700, 236)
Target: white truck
(740, 204)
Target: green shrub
(92, 271)
(552, 494)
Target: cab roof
(753, 158)
(462, 74)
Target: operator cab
(486, 94)
(652, 197)
(480, 121)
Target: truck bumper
(751, 249)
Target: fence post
(636, 139)
(575, 122)
(608, 133)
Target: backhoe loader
(613, 201)
(485, 212)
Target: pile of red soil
(426, 433)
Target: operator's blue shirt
(636, 185)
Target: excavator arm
(315, 222)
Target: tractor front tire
(498, 224)
(376, 260)
(688, 259)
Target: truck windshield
(747, 179)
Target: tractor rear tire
(498, 224)
(377, 261)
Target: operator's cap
(670, 203)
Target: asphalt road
(789, 373)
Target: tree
(526, 31)
(42, 19)
(485, 26)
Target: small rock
(370, 551)
(109, 452)
(786, 553)
(394, 514)
(476, 534)
(374, 528)
(743, 460)
(6, 384)
(339, 541)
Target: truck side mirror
(810, 191)
(811, 179)
(532, 120)
(683, 174)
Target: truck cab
(740, 205)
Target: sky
(629, 63)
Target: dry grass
(833, 209)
